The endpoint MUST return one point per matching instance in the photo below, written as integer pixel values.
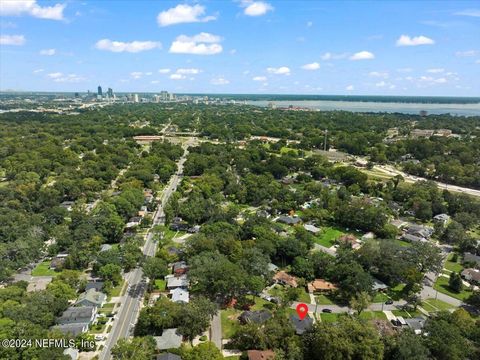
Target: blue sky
(243, 46)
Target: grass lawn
(116, 290)
(43, 269)
(97, 329)
(372, 315)
(328, 318)
(442, 285)
(277, 291)
(286, 149)
(402, 243)
(323, 300)
(229, 321)
(380, 298)
(453, 266)
(432, 305)
(259, 304)
(328, 236)
(396, 292)
(160, 284)
(406, 314)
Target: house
(194, 229)
(168, 356)
(74, 315)
(257, 317)
(350, 240)
(379, 285)
(412, 238)
(289, 220)
(417, 133)
(312, 228)
(91, 297)
(320, 285)
(441, 219)
(72, 329)
(58, 261)
(416, 324)
(105, 247)
(72, 352)
(398, 223)
(183, 226)
(94, 284)
(420, 231)
(133, 221)
(471, 258)
(67, 205)
(471, 275)
(368, 236)
(170, 339)
(283, 278)
(301, 326)
(272, 267)
(263, 213)
(260, 355)
(148, 195)
(180, 268)
(174, 282)
(180, 295)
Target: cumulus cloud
(380, 74)
(435, 70)
(164, 71)
(183, 13)
(136, 74)
(38, 71)
(48, 52)
(200, 44)
(131, 47)
(259, 78)
(330, 56)
(312, 66)
(467, 53)
(469, 12)
(219, 81)
(177, 77)
(30, 7)
(255, 8)
(350, 88)
(405, 40)
(362, 55)
(283, 70)
(15, 40)
(60, 77)
(191, 71)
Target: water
(388, 107)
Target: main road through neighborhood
(131, 302)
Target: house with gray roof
(168, 356)
(72, 329)
(170, 339)
(257, 317)
(75, 315)
(441, 219)
(289, 220)
(180, 295)
(412, 238)
(301, 326)
(91, 297)
(174, 282)
(471, 258)
(312, 228)
(420, 231)
(416, 324)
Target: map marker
(302, 310)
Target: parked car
(99, 337)
(326, 311)
(389, 302)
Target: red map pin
(302, 310)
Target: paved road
(132, 301)
(216, 331)
(343, 309)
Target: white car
(99, 337)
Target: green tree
(360, 302)
(138, 348)
(455, 282)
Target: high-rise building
(164, 95)
(110, 93)
(135, 98)
(99, 91)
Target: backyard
(43, 269)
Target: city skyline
(255, 47)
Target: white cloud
(164, 71)
(330, 56)
(259, 78)
(350, 88)
(382, 84)
(183, 13)
(467, 53)
(60, 77)
(148, 73)
(48, 52)
(191, 71)
(435, 70)
(440, 80)
(362, 55)
(219, 81)
(312, 66)
(177, 77)
(233, 51)
(131, 47)
(30, 7)
(309, 23)
(38, 71)
(256, 8)
(283, 70)
(405, 40)
(154, 82)
(16, 40)
(380, 74)
(136, 74)
(200, 44)
(469, 12)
